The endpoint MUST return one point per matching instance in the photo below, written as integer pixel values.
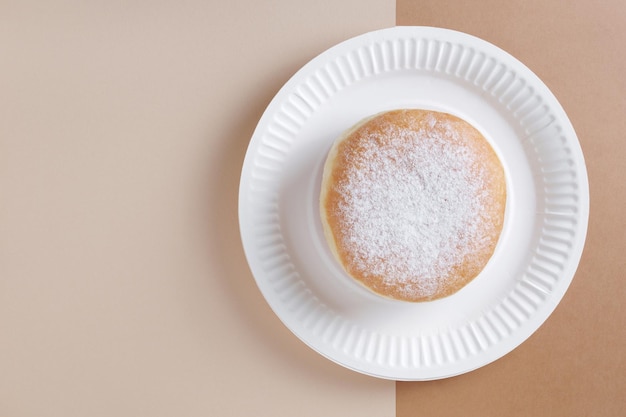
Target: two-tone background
(124, 290)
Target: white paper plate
(545, 222)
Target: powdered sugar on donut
(412, 204)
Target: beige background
(123, 286)
(575, 365)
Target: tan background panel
(575, 365)
(123, 286)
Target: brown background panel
(575, 364)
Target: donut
(412, 203)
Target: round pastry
(412, 203)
